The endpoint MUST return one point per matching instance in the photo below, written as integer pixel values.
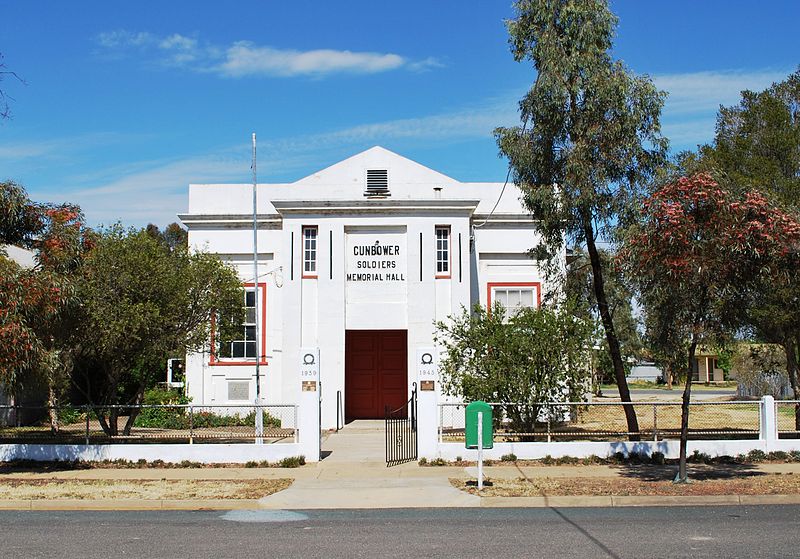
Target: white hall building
(358, 260)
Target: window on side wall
(514, 297)
(244, 344)
(442, 251)
(310, 251)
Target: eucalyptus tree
(143, 302)
(589, 141)
(695, 252)
(757, 147)
(38, 305)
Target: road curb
(556, 501)
(128, 504)
(593, 501)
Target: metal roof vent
(377, 182)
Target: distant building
(705, 367)
(26, 259)
(645, 372)
(23, 257)
(357, 260)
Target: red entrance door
(376, 372)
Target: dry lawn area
(766, 484)
(34, 489)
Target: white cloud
(177, 41)
(704, 91)
(57, 148)
(426, 64)
(155, 191)
(245, 58)
(122, 38)
(689, 116)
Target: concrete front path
(353, 474)
(361, 441)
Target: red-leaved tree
(693, 254)
(38, 305)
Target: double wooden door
(376, 372)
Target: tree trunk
(113, 421)
(611, 334)
(101, 418)
(682, 476)
(791, 370)
(668, 373)
(134, 410)
(52, 405)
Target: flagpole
(259, 416)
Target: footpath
(353, 474)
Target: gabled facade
(357, 260)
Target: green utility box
(471, 423)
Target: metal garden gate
(401, 432)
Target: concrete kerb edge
(127, 504)
(616, 501)
(556, 501)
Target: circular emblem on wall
(427, 358)
(308, 359)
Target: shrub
(292, 462)
(67, 415)
(778, 455)
(164, 397)
(423, 461)
(480, 359)
(756, 455)
(658, 458)
(699, 458)
(511, 457)
(617, 458)
(178, 418)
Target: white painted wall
(316, 312)
(204, 453)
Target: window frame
(215, 360)
(491, 286)
(310, 274)
(447, 249)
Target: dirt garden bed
(38, 489)
(764, 484)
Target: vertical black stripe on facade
(291, 258)
(420, 256)
(459, 258)
(330, 254)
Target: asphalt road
(674, 394)
(718, 532)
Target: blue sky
(126, 103)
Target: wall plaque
(309, 386)
(427, 385)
